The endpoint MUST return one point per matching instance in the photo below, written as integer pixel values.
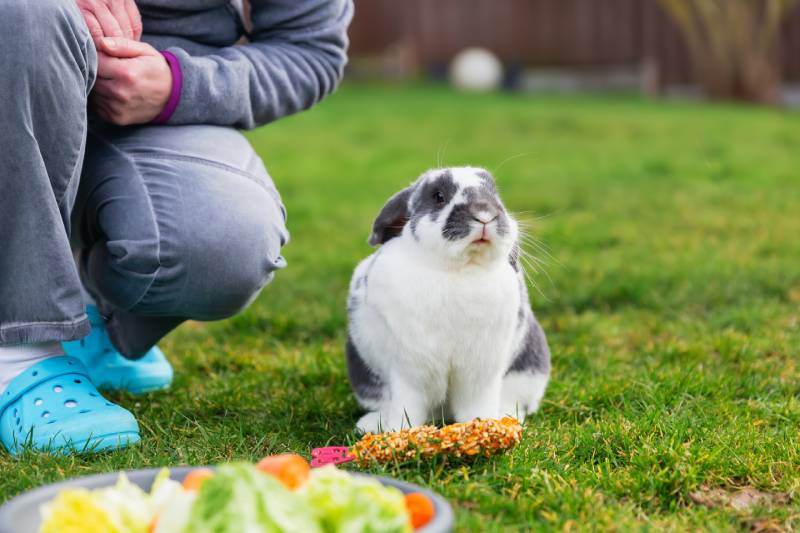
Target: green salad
(234, 498)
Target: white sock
(18, 358)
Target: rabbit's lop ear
(392, 218)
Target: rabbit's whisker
(440, 154)
(539, 247)
(529, 279)
(536, 266)
(511, 158)
(540, 217)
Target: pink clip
(331, 455)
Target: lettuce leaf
(174, 517)
(343, 503)
(240, 499)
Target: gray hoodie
(295, 56)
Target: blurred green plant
(733, 44)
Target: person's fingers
(102, 108)
(106, 66)
(113, 68)
(120, 13)
(107, 21)
(125, 48)
(135, 18)
(104, 88)
(95, 30)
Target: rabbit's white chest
(440, 327)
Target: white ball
(476, 69)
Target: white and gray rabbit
(439, 317)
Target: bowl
(21, 514)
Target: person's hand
(111, 18)
(133, 84)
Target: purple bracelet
(175, 94)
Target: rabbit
(439, 320)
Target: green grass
(673, 310)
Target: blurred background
(723, 49)
(660, 247)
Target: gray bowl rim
(443, 520)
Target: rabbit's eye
(438, 197)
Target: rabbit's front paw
(371, 423)
(379, 422)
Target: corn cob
(466, 439)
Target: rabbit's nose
(484, 217)
(483, 212)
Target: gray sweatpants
(169, 222)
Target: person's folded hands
(133, 84)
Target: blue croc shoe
(54, 407)
(109, 369)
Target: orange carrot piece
(420, 509)
(196, 478)
(289, 468)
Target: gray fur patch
(390, 221)
(502, 224)
(365, 383)
(488, 180)
(458, 224)
(483, 173)
(534, 354)
(521, 316)
(352, 305)
(424, 201)
(513, 257)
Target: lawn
(671, 302)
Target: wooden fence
(562, 33)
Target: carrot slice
(420, 509)
(289, 468)
(196, 478)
